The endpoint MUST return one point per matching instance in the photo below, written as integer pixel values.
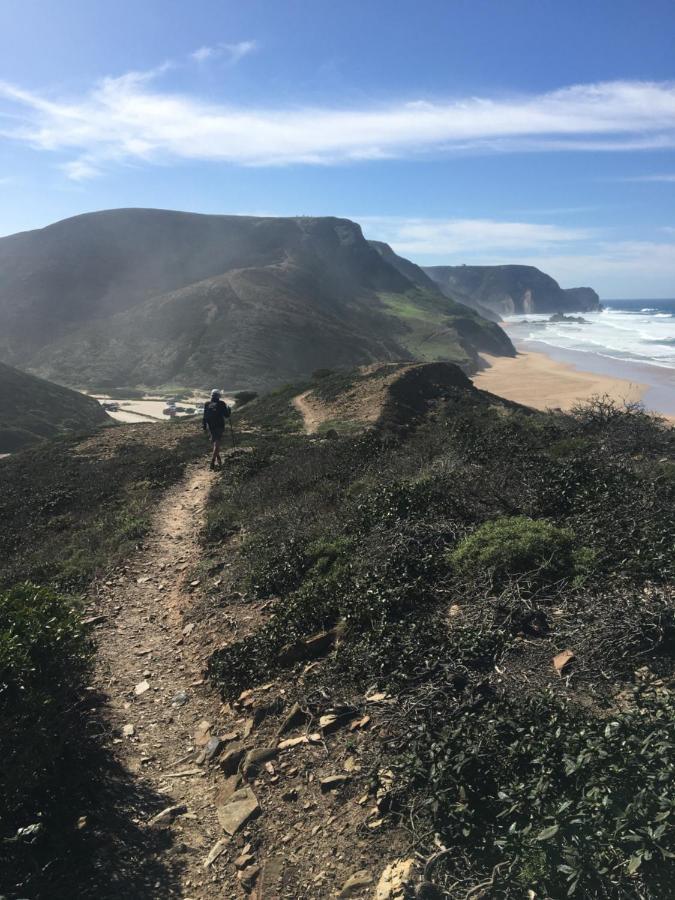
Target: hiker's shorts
(216, 433)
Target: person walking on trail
(216, 411)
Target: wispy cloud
(668, 177)
(625, 268)
(554, 211)
(233, 52)
(452, 238)
(571, 255)
(132, 118)
(80, 170)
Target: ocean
(641, 331)
(629, 339)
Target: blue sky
(485, 131)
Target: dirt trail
(357, 407)
(158, 630)
(150, 666)
(313, 413)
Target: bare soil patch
(359, 406)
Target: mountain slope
(130, 297)
(419, 276)
(511, 289)
(32, 408)
(408, 269)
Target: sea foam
(635, 333)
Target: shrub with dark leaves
(44, 656)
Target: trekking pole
(232, 432)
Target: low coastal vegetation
(44, 657)
(75, 507)
(504, 576)
(72, 509)
(507, 577)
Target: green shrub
(568, 804)
(323, 554)
(514, 546)
(44, 655)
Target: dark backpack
(215, 413)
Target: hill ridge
(32, 409)
(126, 298)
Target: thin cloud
(233, 52)
(572, 256)
(554, 211)
(451, 238)
(667, 177)
(624, 268)
(80, 170)
(202, 54)
(132, 118)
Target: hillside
(32, 409)
(152, 297)
(419, 276)
(511, 289)
(436, 650)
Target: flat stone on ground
(241, 807)
(356, 883)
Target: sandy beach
(535, 379)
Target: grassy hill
(32, 409)
(151, 297)
(511, 289)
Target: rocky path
(258, 797)
(150, 665)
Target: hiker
(215, 413)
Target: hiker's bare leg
(216, 454)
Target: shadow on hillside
(93, 841)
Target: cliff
(506, 290)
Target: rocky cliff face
(506, 290)
(583, 299)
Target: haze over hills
(32, 408)
(153, 297)
(420, 277)
(505, 290)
